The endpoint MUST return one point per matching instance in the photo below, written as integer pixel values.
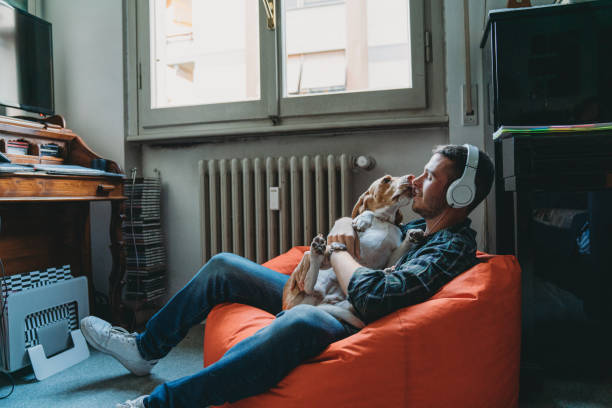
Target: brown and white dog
(375, 217)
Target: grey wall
(89, 92)
(395, 151)
(455, 79)
(88, 71)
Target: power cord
(134, 171)
(3, 294)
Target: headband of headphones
(462, 191)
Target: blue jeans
(255, 364)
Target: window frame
(206, 113)
(392, 110)
(364, 101)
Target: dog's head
(385, 196)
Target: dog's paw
(318, 245)
(361, 224)
(416, 236)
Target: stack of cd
(50, 149)
(146, 255)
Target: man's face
(430, 187)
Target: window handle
(270, 13)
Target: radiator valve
(365, 162)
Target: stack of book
(146, 254)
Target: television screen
(26, 61)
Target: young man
(259, 362)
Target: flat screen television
(26, 61)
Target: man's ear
(361, 204)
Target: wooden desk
(45, 218)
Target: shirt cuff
(354, 292)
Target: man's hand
(343, 232)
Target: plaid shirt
(417, 275)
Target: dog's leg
(317, 253)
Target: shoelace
(126, 337)
(122, 334)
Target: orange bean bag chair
(460, 348)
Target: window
(212, 65)
(198, 58)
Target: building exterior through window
(206, 52)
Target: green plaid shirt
(418, 275)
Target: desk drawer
(25, 187)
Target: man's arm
(343, 232)
(344, 267)
(342, 262)
(375, 293)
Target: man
(259, 362)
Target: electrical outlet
(469, 120)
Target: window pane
(199, 56)
(341, 46)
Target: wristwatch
(336, 246)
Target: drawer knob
(104, 189)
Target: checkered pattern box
(24, 282)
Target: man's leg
(257, 363)
(225, 278)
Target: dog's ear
(398, 217)
(361, 204)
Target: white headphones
(462, 191)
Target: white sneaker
(117, 342)
(137, 403)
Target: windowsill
(264, 128)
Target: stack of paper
(587, 127)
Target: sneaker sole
(100, 348)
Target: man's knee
(217, 266)
(222, 260)
(308, 319)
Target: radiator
(261, 207)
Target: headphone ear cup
(462, 191)
(459, 194)
(449, 193)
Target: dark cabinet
(551, 204)
(549, 65)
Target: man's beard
(431, 212)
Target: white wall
(88, 71)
